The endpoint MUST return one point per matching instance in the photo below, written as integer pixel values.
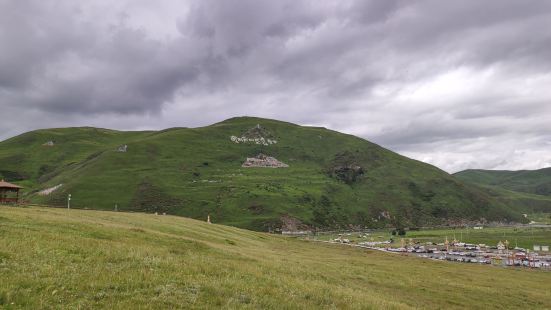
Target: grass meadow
(82, 259)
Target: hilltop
(248, 172)
(58, 258)
(525, 190)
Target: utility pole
(69, 202)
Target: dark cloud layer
(460, 84)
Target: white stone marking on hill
(263, 161)
(261, 140)
(50, 190)
(49, 143)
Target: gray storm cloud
(459, 84)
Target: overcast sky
(458, 84)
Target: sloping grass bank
(57, 258)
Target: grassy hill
(332, 180)
(524, 190)
(58, 258)
(526, 181)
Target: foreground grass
(56, 258)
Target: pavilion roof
(4, 184)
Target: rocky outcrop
(347, 173)
(345, 167)
(292, 225)
(255, 135)
(49, 143)
(258, 132)
(263, 161)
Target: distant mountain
(249, 172)
(524, 190)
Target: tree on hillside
(322, 212)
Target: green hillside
(526, 181)
(332, 180)
(524, 190)
(82, 259)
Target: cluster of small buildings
(476, 253)
(296, 232)
(374, 243)
(455, 251)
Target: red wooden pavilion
(7, 191)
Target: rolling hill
(524, 190)
(248, 172)
(83, 259)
